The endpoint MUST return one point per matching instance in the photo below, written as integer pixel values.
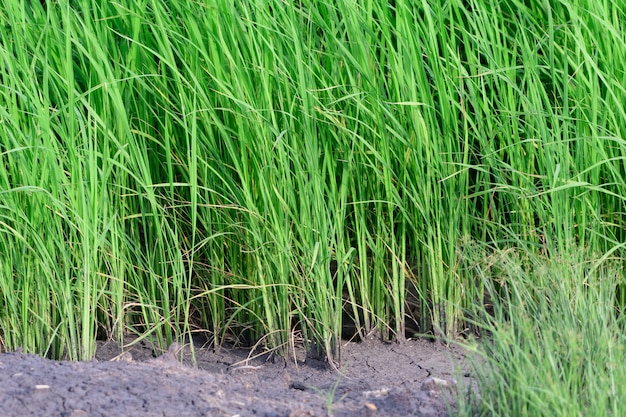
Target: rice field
(275, 172)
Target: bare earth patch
(415, 378)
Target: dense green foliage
(264, 170)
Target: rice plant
(269, 170)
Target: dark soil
(415, 378)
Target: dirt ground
(415, 378)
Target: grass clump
(554, 337)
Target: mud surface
(415, 378)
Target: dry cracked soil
(413, 378)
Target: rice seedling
(253, 169)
